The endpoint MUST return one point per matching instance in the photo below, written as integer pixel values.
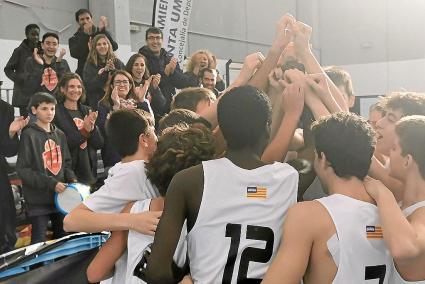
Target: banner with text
(172, 17)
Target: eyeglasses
(123, 82)
(154, 37)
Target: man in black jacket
(79, 42)
(159, 61)
(15, 67)
(8, 148)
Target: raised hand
(37, 57)
(17, 125)
(142, 90)
(103, 22)
(110, 65)
(293, 96)
(156, 79)
(115, 98)
(284, 30)
(302, 35)
(62, 53)
(170, 67)
(274, 76)
(90, 120)
(318, 84)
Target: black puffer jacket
(168, 84)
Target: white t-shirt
(126, 182)
(137, 244)
(239, 223)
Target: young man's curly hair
(179, 147)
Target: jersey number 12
(233, 231)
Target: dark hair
(49, 34)
(347, 141)
(153, 30)
(189, 98)
(203, 70)
(179, 148)
(181, 116)
(63, 83)
(106, 100)
(130, 63)
(80, 12)
(411, 133)
(41, 97)
(409, 103)
(123, 138)
(340, 77)
(244, 115)
(29, 27)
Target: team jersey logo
(49, 79)
(374, 232)
(80, 124)
(256, 192)
(52, 157)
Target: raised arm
(379, 172)
(292, 107)
(302, 34)
(282, 38)
(404, 240)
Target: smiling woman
(101, 61)
(77, 121)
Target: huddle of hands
(292, 40)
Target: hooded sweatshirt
(15, 69)
(43, 161)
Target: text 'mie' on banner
(172, 17)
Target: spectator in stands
(161, 62)
(121, 94)
(208, 79)
(8, 148)
(199, 60)
(15, 67)
(79, 43)
(44, 70)
(101, 61)
(44, 165)
(194, 99)
(77, 121)
(136, 66)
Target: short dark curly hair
(347, 141)
(179, 148)
(244, 115)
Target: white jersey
(239, 223)
(397, 279)
(360, 252)
(137, 243)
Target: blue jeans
(39, 227)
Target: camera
(39, 48)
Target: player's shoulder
(190, 175)
(309, 214)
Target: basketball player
(234, 206)
(335, 239)
(404, 230)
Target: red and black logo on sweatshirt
(52, 156)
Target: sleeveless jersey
(362, 253)
(239, 223)
(137, 243)
(397, 279)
